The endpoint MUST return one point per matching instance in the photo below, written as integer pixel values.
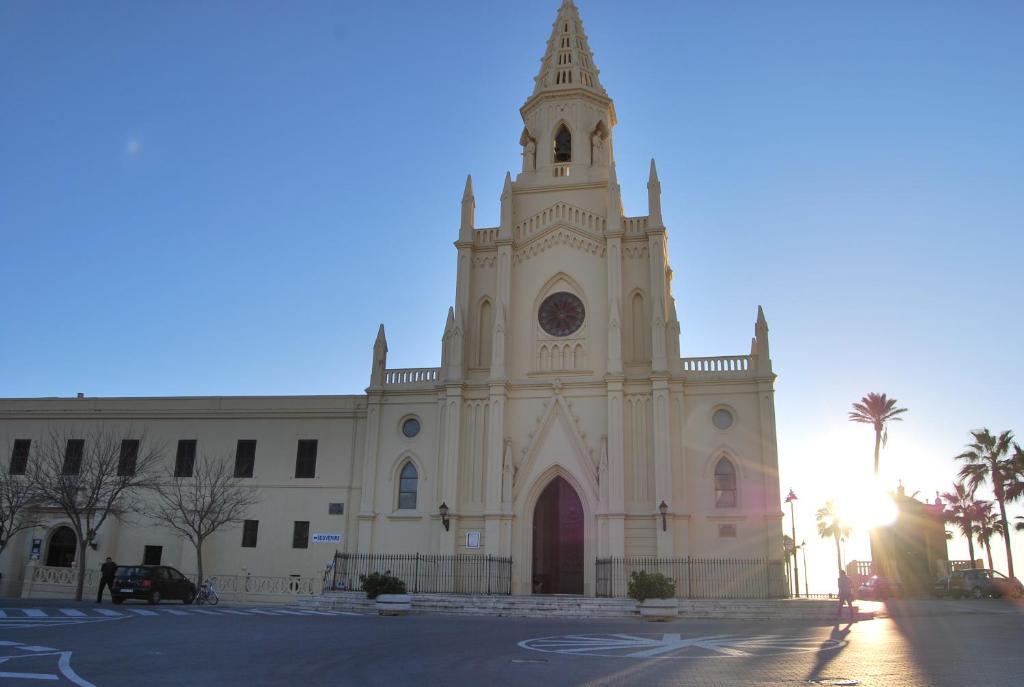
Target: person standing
(107, 571)
(845, 593)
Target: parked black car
(978, 584)
(878, 587)
(152, 583)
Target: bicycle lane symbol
(31, 658)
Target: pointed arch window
(725, 484)
(563, 145)
(407, 485)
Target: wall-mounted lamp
(663, 509)
(443, 511)
(90, 537)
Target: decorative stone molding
(562, 236)
(559, 213)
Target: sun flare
(867, 507)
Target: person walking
(845, 593)
(107, 571)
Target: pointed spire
(466, 227)
(568, 63)
(654, 198)
(764, 361)
(505, 228)
(380, 359)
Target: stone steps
(583, 607)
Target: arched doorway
(558, 540)
(61, 550)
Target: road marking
(34, 612)
(675, 645)
(174, 611)
(204, 611)
(228, 610)
(73, 612)
(36, 649)
(287, 612)
(109, 613)
(141, 611)
(261, 611)
(3, 614)
(29, 676)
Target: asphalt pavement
(959, 643)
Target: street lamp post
(790, 498)
(803, 545)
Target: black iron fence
(698, 578)
(424, 573)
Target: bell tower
(569, 117)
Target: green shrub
(376, 584)
(645, 585)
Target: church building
(560, 426)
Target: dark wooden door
(558, 540)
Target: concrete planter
(394, 604)
(656, 610)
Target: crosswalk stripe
(310, 611)
(73, 612)
(36, 649)
(142, 611)
(34, 612)
(3, 614)
(232, 612)
(289, 612)
(204, 611)
(261, 611)
(109, 613)
(174, 611)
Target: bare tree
(17, 510)
(197, 506)
(89, 476)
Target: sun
(866, 507)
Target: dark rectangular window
(19, 456)
(151, 555)
(305, 459)
(73, 457)
(185, 461)
(300, 535)
(129, 456)
(336, 509)
(245, 457)
(250, 531)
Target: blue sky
(227, 198)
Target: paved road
(957, 644)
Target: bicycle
(206, 594)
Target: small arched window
(725, 484)
(407, 487)
(563, 144)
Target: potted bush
(656, 594)
(388, 591)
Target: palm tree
(985, 526)
(831, 525)
(961, 510)
(877, 410)
(986, 460)
(1015, 474)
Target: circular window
(722, 418)
(561, 314)
(411, 427)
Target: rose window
(561, 314)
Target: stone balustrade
(411, 375)
(723, 364)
